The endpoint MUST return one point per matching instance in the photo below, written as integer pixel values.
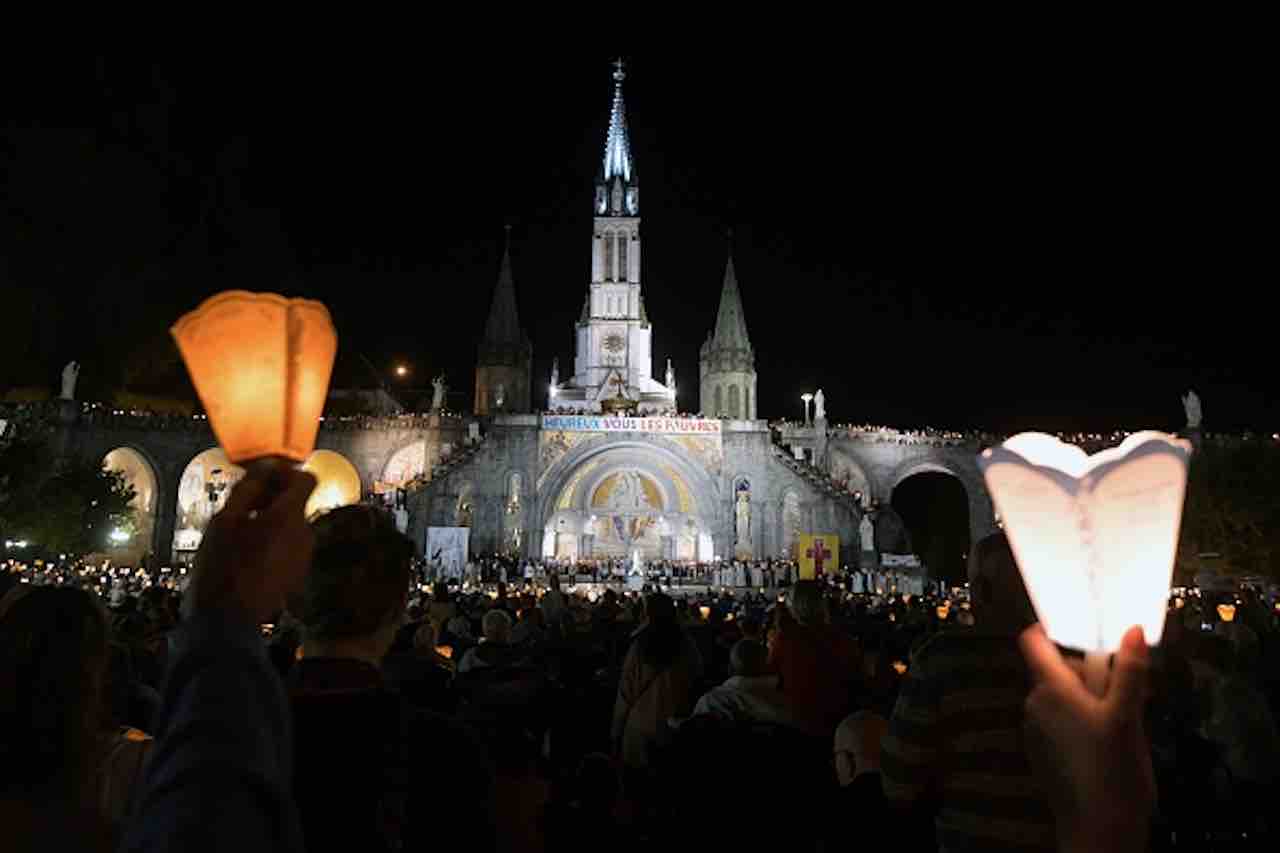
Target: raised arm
(219, 775)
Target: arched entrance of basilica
(625, 500)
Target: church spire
(731, 322)
(618, 185)
(503, 327)
(505, 355)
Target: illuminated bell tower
(613, 355)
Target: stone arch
(981, 512)
(141, 473)
(746, 402)
(719, 400)
(337, 482)
(842, 466)
(404, 464)
(665, 462)
(203, 486)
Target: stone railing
(106, 416)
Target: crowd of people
(304, 687)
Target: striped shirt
(955, 741)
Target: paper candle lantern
(705, 612)
(261, 365)
(1227, 612)
(1094, 536)
(943, 611)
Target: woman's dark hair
(359, 573)
(660, 641)
(53, 662)
(440, 593)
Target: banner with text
(605, 423)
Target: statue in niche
(819, 406)
(1191, 405)
(742, 510)
(69, 375)
(867, 533)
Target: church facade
(609, 469)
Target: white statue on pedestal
(69, 375)
(671, 376)
(555, 373)
(819, 406)
(1191, 404)
(867, 532)
(437, 400)
(636, 567)
(743, 512)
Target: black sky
(1040, 240)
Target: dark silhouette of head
(1000, 600)
(359, 580)
(53, 665)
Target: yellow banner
(819, 554)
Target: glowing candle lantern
(1227, 612)
(1094, 536)
(943, 611)
(705, 611)
(261, 365)
(445, 651)
(899, 667)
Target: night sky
(1008, 243)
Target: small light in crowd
(899, 667)
(705, 611)
(445, 652)
(401, 370)
(119, 537)
(943, 611)
(1227, 612)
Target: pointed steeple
(727, 365)
(731, 322)
(617, 184)
(503, 326)
(503, 363)
(617, 146)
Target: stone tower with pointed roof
(727, 364)
(505, 358)
(613, 358)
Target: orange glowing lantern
(445, 652)
(1227, 612)
(943, 611)
(899, 667)
(261, 365)
(705, 611)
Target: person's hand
(257, 550)
(1091, 753)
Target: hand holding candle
(1094, 536)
